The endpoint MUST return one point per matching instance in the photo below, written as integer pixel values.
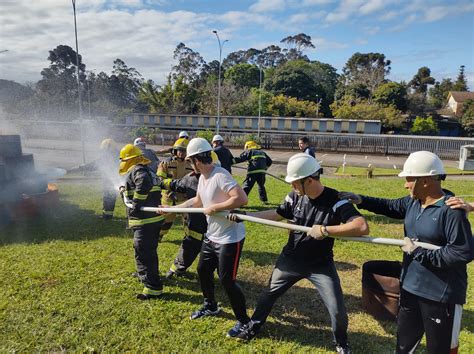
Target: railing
(445, 147)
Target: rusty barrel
(381, 288)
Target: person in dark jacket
(433, 282)
(225, 156)
(142, 187)
(258, 163)
(195, 224)
(303, 144)
(148, 153)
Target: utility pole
(221, 44)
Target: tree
(243, 75)
(461, 83)
(190, 64)
(296, 44)
(271, 57)
(424, 126)
(249, 56)
(392, 93)
(467, 119)
(390, 117)
(368, 69)
(438, 94)
(283, 106)
(421, 80)
(124, 85)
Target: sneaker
(205, 310)
(236, 329)
(343, 349)
(249, 331)
(170, 274)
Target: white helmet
(140, 142)
(421, 164)
(217, 137)
(197, 146)
(183, 134)
(300, 166)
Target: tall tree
(190, 64)
(438, 94)
(243, 75)
(299, 42)
(271, 56)
(421, 80)
(124, 85)
(392, 93)
(368, 69)
(461, 83)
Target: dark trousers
(187, 253)
(249, 182)
(145, 243)
(225, 258)
(324, 277)
(440, 322)
(108, 202)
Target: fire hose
(267, 173)
(282, 225)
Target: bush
(206, 134)
(147, 132)
(241, 140)
(424, 126)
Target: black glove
(234, 215)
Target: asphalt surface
(68, 154)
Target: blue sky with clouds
(144, 33)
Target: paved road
(68, 154)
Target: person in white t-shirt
(224, 239)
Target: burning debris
(25, 191)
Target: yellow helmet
(215, 159)
(129, 151)
(107, 144)
(251, 145)
(181, 144)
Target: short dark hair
(304, 140)
(204, 157)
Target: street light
(259, 101)
(221, 44)
(79, 84)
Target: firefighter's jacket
(174, 168)
(143, 189)
(195, 223)
(258, 160)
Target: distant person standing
(258, 163)
(303, 144)
(107, 165)
(223, 153)
(148, 153)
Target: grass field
(65, 284)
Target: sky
(144, 33)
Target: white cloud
(305, 17)
(326, 44)
(371, 30)
(389, 15)
(372, 6)
(268, 6)
(315, 2)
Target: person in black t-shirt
(225, 156)
(309, 255)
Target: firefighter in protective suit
(195, 224)
(107, 164)
(258, 163)
(174, 167)
(142, 187)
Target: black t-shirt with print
(327, 209)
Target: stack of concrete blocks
(17, 174)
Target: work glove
(351, 197)
(316, 232)
(234, 215)
(409, 247)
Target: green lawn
(65, 285)
(362, 171)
